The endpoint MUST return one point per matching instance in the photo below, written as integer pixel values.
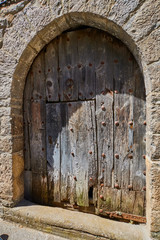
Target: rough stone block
(5, 125)
(19, 35)
(153, 113)
(17, 125)
(124, 7)
(150, 46)
(18, 188)
(38, 15)
(154, 73)
(17, 144)
(144, 21)
(18, 165)
(6, 144)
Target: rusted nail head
(90, 152)
(101, 196)
(103, 123)
(144, 188)
(115, 91)
(90, 178)
(144, 172)
(102, 184)
(100, 210)
(103, 108)
(117, 156)
(130, 186)
(71, 129)
(103, 155)
(116, 185)
(130, 156)
(144, 156)
(72, 154)
(130, 123)
(116, 123)
(144, 123)
(75, 178)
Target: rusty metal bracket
(126, 216)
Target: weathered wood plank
(39, 188)
(139, 143)
(68, 67)
(53, 131)
(86, 63)
(103, 63)
(38, 75)
(37, 137)
(28, 185)
(104, 112)
(123, 114)
(27, 157)
(51, 71)
(27, 118)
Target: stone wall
(27, 26)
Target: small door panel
(71, 151)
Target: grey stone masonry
(26, 27)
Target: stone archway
(52, 30)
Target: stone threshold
(72, 224)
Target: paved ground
(9, 231)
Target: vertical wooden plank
(53, 131)
(37, 137)
(28, 185)
(139, 143)
(123, 114)
(66, 156)
(27, 119)
(68, 67)
(104, 113)
(86, 63)
(103, 63)
(51, 71)
(37, 132)
(139, 204)
(39, 188)
(38, 75)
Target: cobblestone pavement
(12, 231)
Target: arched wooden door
(84, 115)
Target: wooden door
(84, 122)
